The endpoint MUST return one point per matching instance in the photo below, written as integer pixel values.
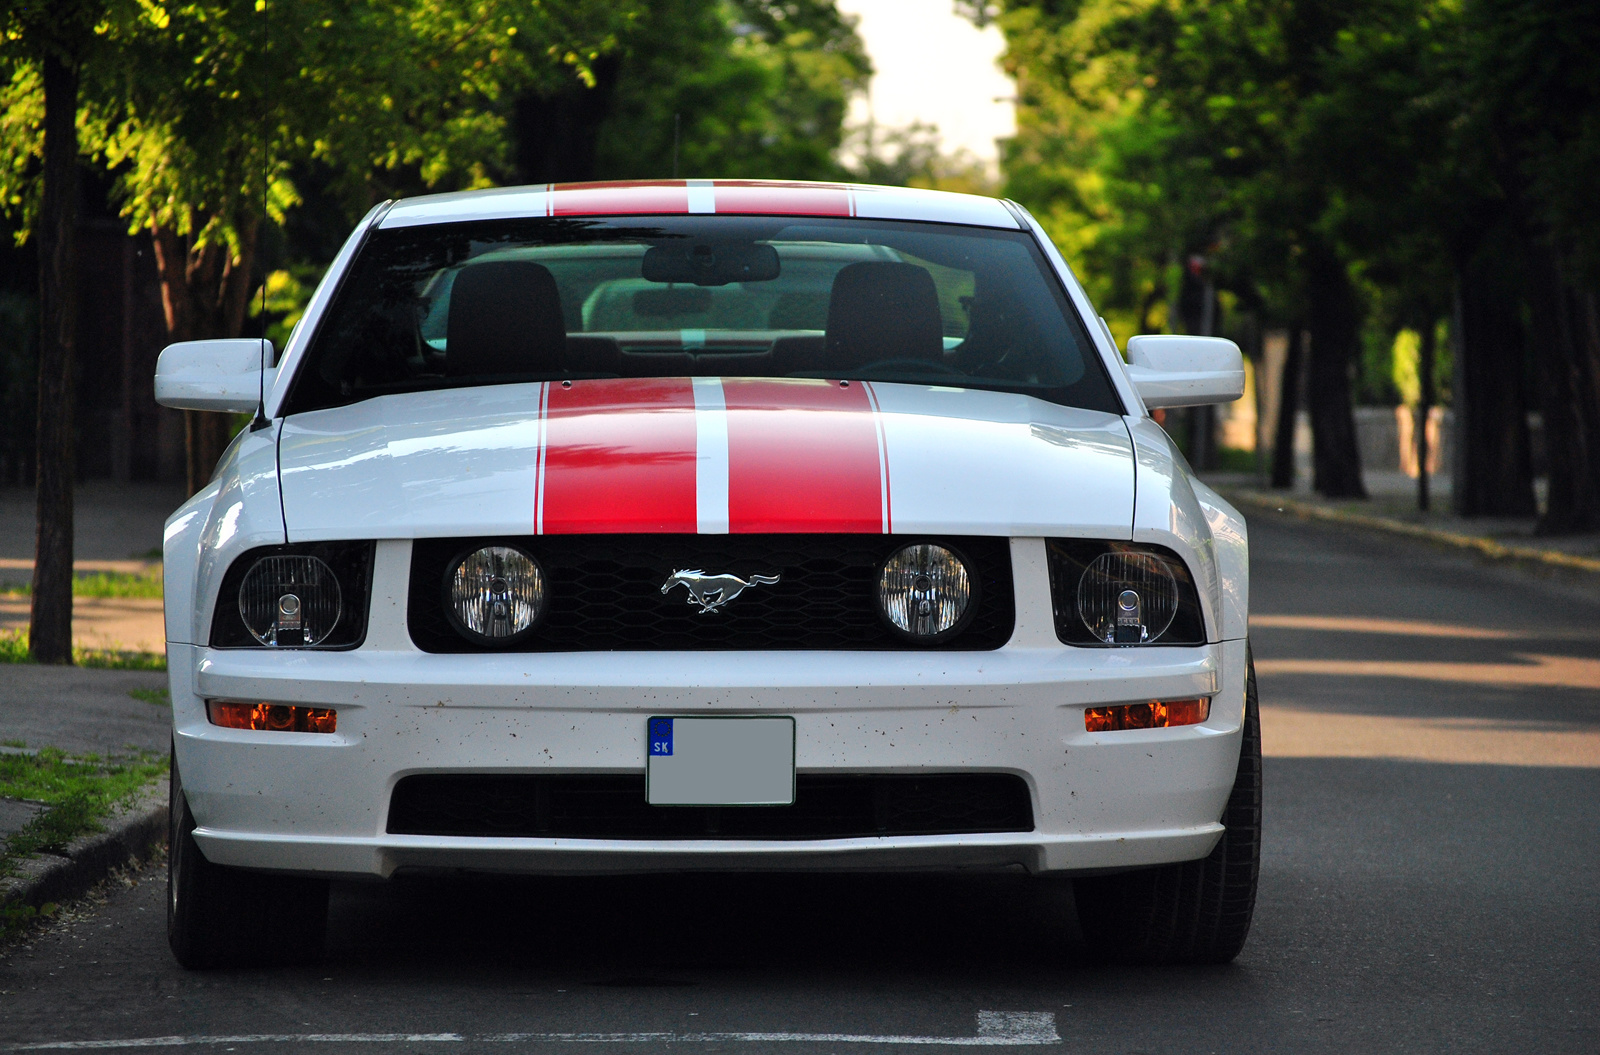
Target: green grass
(14, 649)
(79, 792)
(104, 584)
(158, 697)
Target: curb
(131, 833)
(1586, 568)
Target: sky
(936, 67)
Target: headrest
(882, 310)
(505, 318)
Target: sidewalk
(51, 718)
(1392, 508)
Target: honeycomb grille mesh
(614, 807)
(605, 593)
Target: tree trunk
(1425, 401)
(204, 292)
(50, 618)
(1288, 410)
(1561, 341)
(1335, 324)
(1494, 470)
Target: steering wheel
(926, 365)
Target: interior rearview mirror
(711, 263)
(1171, 370)
(222, 375)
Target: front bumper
(311, 802)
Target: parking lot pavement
(1430, 883)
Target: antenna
(676, 119)
(261, 421)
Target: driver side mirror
(1172, 370)
(220, 375)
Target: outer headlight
(494, 595)
(925, 592)
(290, 601)
(299, 596)
(1122, 593)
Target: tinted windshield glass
(512, 301)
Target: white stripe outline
(996, 1029)
(538, 472)
(710, 456)
(883, 455)
(702, 196)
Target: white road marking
(710, 456)
(996, 1029)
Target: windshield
(496, 302)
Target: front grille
(614, 807)
(604, 593)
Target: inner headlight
(494, 595)
(290, 601)
(1127, 598)
(924, 591)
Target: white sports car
(657, 526)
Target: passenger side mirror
(220, 375)
(1171, 370)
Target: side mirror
(221, 375)
(1177, 371)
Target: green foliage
(749, 88)
(14, 649)
(106, 584)
(78, 791)
(202, 109)
(155, 697)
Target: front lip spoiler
(383, 856)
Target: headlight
(290, 601)
(306, 595)
(494, 595)
(1122, 593)
(1127, 598)
(925, 591)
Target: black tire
(230, 917)
(1196, 911)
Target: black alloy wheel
(1195, 911)
(231, 917)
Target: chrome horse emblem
(711, 592)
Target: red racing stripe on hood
(619, 456)
(803, 456)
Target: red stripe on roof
(802, 457)
(620, 457)
(782, 199)
(670, 197)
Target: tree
(202, 109)
(727, 88)
(43, 45)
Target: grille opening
(614, 807)
(604, 593)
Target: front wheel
(1195, 911)
(229, 917)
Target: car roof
(703, 197)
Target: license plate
(720, 762)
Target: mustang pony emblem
(711, 592)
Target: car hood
(705, 455)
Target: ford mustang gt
(660, 526)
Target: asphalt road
(1431, 882)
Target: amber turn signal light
(274, 717)
(1157, 714)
